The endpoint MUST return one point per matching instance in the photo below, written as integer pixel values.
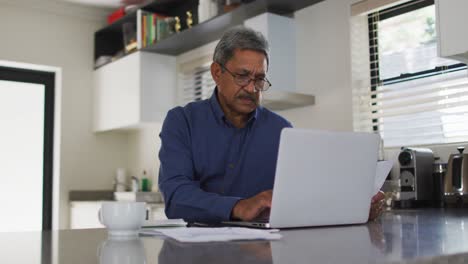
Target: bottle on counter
(145, 184)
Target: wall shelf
(109, 39)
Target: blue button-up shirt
(207, 164)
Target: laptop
(322, 178)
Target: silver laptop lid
(323, 178)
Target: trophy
(177, 24)
(189, 19)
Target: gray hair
(242, 38)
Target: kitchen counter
(400, 236)
(97, 195)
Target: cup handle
(100, 217)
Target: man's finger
(378, 197)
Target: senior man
(218, 156)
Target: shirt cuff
(223, 207)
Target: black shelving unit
(109, 40)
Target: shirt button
(231, 165)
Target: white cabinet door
(451, 29)
(280, 31)
(137, 89)
(156, 212)
(85, 215)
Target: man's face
(234, 98)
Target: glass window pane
(408, 43)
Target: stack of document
(219, 234)
(165, 223)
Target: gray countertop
(404, 236)
(95, 195)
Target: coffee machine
(416, 181)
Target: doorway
(26, 152)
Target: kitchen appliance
(120, 183)
(456, 180)
(416, 181)
(135, 184)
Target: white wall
(323, 66)
(143, 152)
(57, 34)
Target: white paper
(165, 223)
(383, 168)
(203, 234)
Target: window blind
(407, 94)
(418, 111)
(195, 81)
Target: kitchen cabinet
(451, 21)
(156, 211)
(280, 31)
(84, 214)
(137, 89)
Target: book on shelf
(164, 27)
(151, 27)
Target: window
(197, 84)
(412, 96)
(195, 81)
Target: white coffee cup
(122, 218)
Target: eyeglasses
(260, 84)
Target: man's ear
(216, 72)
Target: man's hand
(377, 203)
(251, 208)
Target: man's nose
(250, 87)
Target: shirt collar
(218, 111)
